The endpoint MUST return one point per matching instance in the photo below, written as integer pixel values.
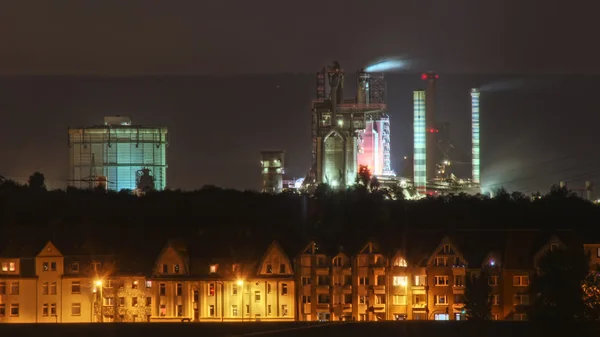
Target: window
(211, 310)
(348, 298)
(175, 269)
(459, 281)
(440, 280)
(284, 289)
(440, 261)
(75, 287)
(234, 310)
(305, 280)
(257, 296)
(148, 301)
(269, 268)
(305, 299)
(2, 310)
(14, 288)
(53, 309)
(521, 299)
(14, 309)
(52, 266)
(496, 299)
(5, 264)
(420, 280)
(53, 288)
(162, 289)
(441, 317)
(165, 269)
(45, 309)
(134, 301)
(109, 301)
(521, 281)
(179, 289)
(121, 284)
(148, 284)
(121, 301)
(11, 266)
(134, 285)
(337, 261)
(400, 262)
(441, 300)
(45, 266)
(234, 289)
(598, 252)
(211, 289)
(269, 310)
(379, 299)
(179, 310)
(400, 281)
(76, 309)
(553, 247)
(493, 280)
(247, 309)
(2, 288)
(75, 267)
(520, 317)
(45, 288)
(282, 268)
(362, 299)
(399, 299)
(363, 281)
(163, 310)
(284, 310)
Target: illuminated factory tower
(420, 142)
(272, 164)
(116, 153)
(433, 151)
(475, 134)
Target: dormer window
(75, 267)
(446, 249)
(175, 269)
(400, 262)
(553, 247)
(337, 261)
(165, 269)
(9, 266)
(269, 269)
(213, 268)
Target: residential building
(416, 277)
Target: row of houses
(417, 277)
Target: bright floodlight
(384, 66)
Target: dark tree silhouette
(557, 290)
(37, 181)
(478, 294)
(363, 176)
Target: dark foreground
(366, 329)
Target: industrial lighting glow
(385, 65)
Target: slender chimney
(419, 142)
(475, 151)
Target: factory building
(347, 133)
(118, 155)
(272, 164)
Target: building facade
(115, 154)
(373, 283)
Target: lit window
(176, 269)
(400, 281)
(213, 268)
(11, 266)
(5, 264)
(400, 262)
(76, 309)
(441, 300)
(148, 284)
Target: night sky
(230, 78)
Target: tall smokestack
(362, 94)
(433, 158)
(420, 142)
(475, 136)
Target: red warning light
(424, 76)
(437, 76)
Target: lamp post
(99, 285)
(222, 299)
(243, 310)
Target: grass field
(365, 329)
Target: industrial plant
(348, 133)
(118, 156)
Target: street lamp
(99, 285)
(243, 310)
